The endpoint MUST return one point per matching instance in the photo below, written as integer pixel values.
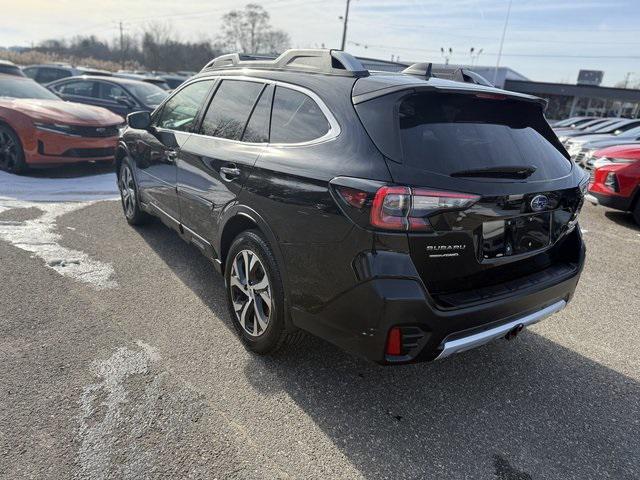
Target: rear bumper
(359, 320)
(458, 344)
(617, 202)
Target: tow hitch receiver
(506, 330)
(513, 333)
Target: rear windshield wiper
(516, 171)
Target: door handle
(229, 173)
(171, 156)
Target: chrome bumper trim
(451, 347)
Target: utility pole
(446, 54)
(504, 32)
(121, 46)
(344, 26)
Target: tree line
(157, 47)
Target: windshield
(147, 93)
(21, 88)
(448, 134)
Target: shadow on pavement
(517, 410)
(71, 171)
(623, 219)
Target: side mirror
(124, 101)
(139, 120)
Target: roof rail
(458, 74)
(330, 62)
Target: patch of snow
(38, 189)
(38, 236)
(100, 405)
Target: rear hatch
(500, 152)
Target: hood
(599, 144)
(621, 151)
(59, 111)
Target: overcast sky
(547, 40)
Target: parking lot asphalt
(140, 375)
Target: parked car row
(50, 72)
(37, 128)
(75, 117)
(609, 148)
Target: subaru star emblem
(539, 203)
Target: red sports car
(39, 128)
(616, 179)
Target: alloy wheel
(127, 191)
(8, 151)
(250, 293)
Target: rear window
(446, 134)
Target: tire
(636, 212)
(129, 195)
(11, 152)
(260, 324)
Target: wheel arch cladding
(234, 226)
(121, 153)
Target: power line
(533, 55)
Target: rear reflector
(394, 342)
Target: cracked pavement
(146, 378)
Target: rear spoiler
(448, 86)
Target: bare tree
(249, 31)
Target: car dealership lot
(141, 375)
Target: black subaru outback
(402, 216)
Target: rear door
(80, 91)
(215, 162)
(492, 146)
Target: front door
(215, 162)
(157, 150)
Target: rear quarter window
(296, 118)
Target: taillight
(404, 208)
(354, 197)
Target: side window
(257, 130)
(46, 75)
(230, 108)
(110, 91)
(80, 88)
(30, 72)
(296, 118)
(180, 111)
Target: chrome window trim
(334, 126)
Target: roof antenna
(428, 72)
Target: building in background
(566, 100)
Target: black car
(10, 68)
(120, 95)
(50, 72)
(400, 216)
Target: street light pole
(504, 32)
(344, 26)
